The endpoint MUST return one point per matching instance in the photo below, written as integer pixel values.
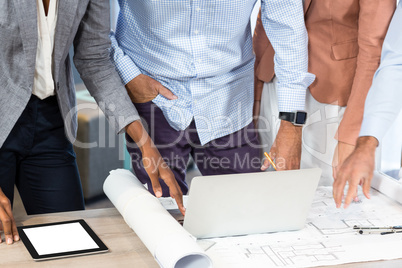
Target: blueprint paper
(327, 239)
(170, 244)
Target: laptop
(250, 203)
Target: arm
(283, 22)
(374, 19)
(93, 62)
(141, 88)
(383, 104)
(91, 57)
(263, 66)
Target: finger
(7, 222)
(352, 190)
(178, 196)
(180, 204)
(174, 188)
(265, 165)
(149, 165)
(356, 199)
(337, 191)
(366, 188)
(334, 173)
(166, 93)
(14, 229)
(283, 164)
(156, 186)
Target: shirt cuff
(125, 66)
(127, 69)
(290, 100)
(375, 127)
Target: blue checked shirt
(202, 51)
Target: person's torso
(201, 51)
(183, 39)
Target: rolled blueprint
(170, 244)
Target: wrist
(367, 143)
(287, 126)
(139, 135)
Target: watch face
(300, 118)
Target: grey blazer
(84, 23)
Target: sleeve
(91, 57)
(124, 65)
(283, 21)
(384, 100)
(374, 19)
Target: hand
(286, 150)
(342, 151)
(357, 168)
(154, 164)
(7, 220)
(144, 89)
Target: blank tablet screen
(60, 239)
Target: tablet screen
(60, 239)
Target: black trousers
(39, 159)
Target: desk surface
(125, 248)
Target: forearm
(258, 86)
(91, 57)
(139, 135)
(374, 19)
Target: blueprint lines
(327, 239)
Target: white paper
(327, 239)
(165, 238)
(60, 238)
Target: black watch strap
(297, 118)
(287, 116)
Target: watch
(297, 118)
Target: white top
(384, 100)
(43, 86)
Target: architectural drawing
(327, 239)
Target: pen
(376, 228)
(368, 232)
(270, 160)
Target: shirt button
(196, 32)
(198, 60)
(198, 9)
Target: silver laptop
(240, 204)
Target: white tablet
(60, 239)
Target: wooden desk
(125, 248)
